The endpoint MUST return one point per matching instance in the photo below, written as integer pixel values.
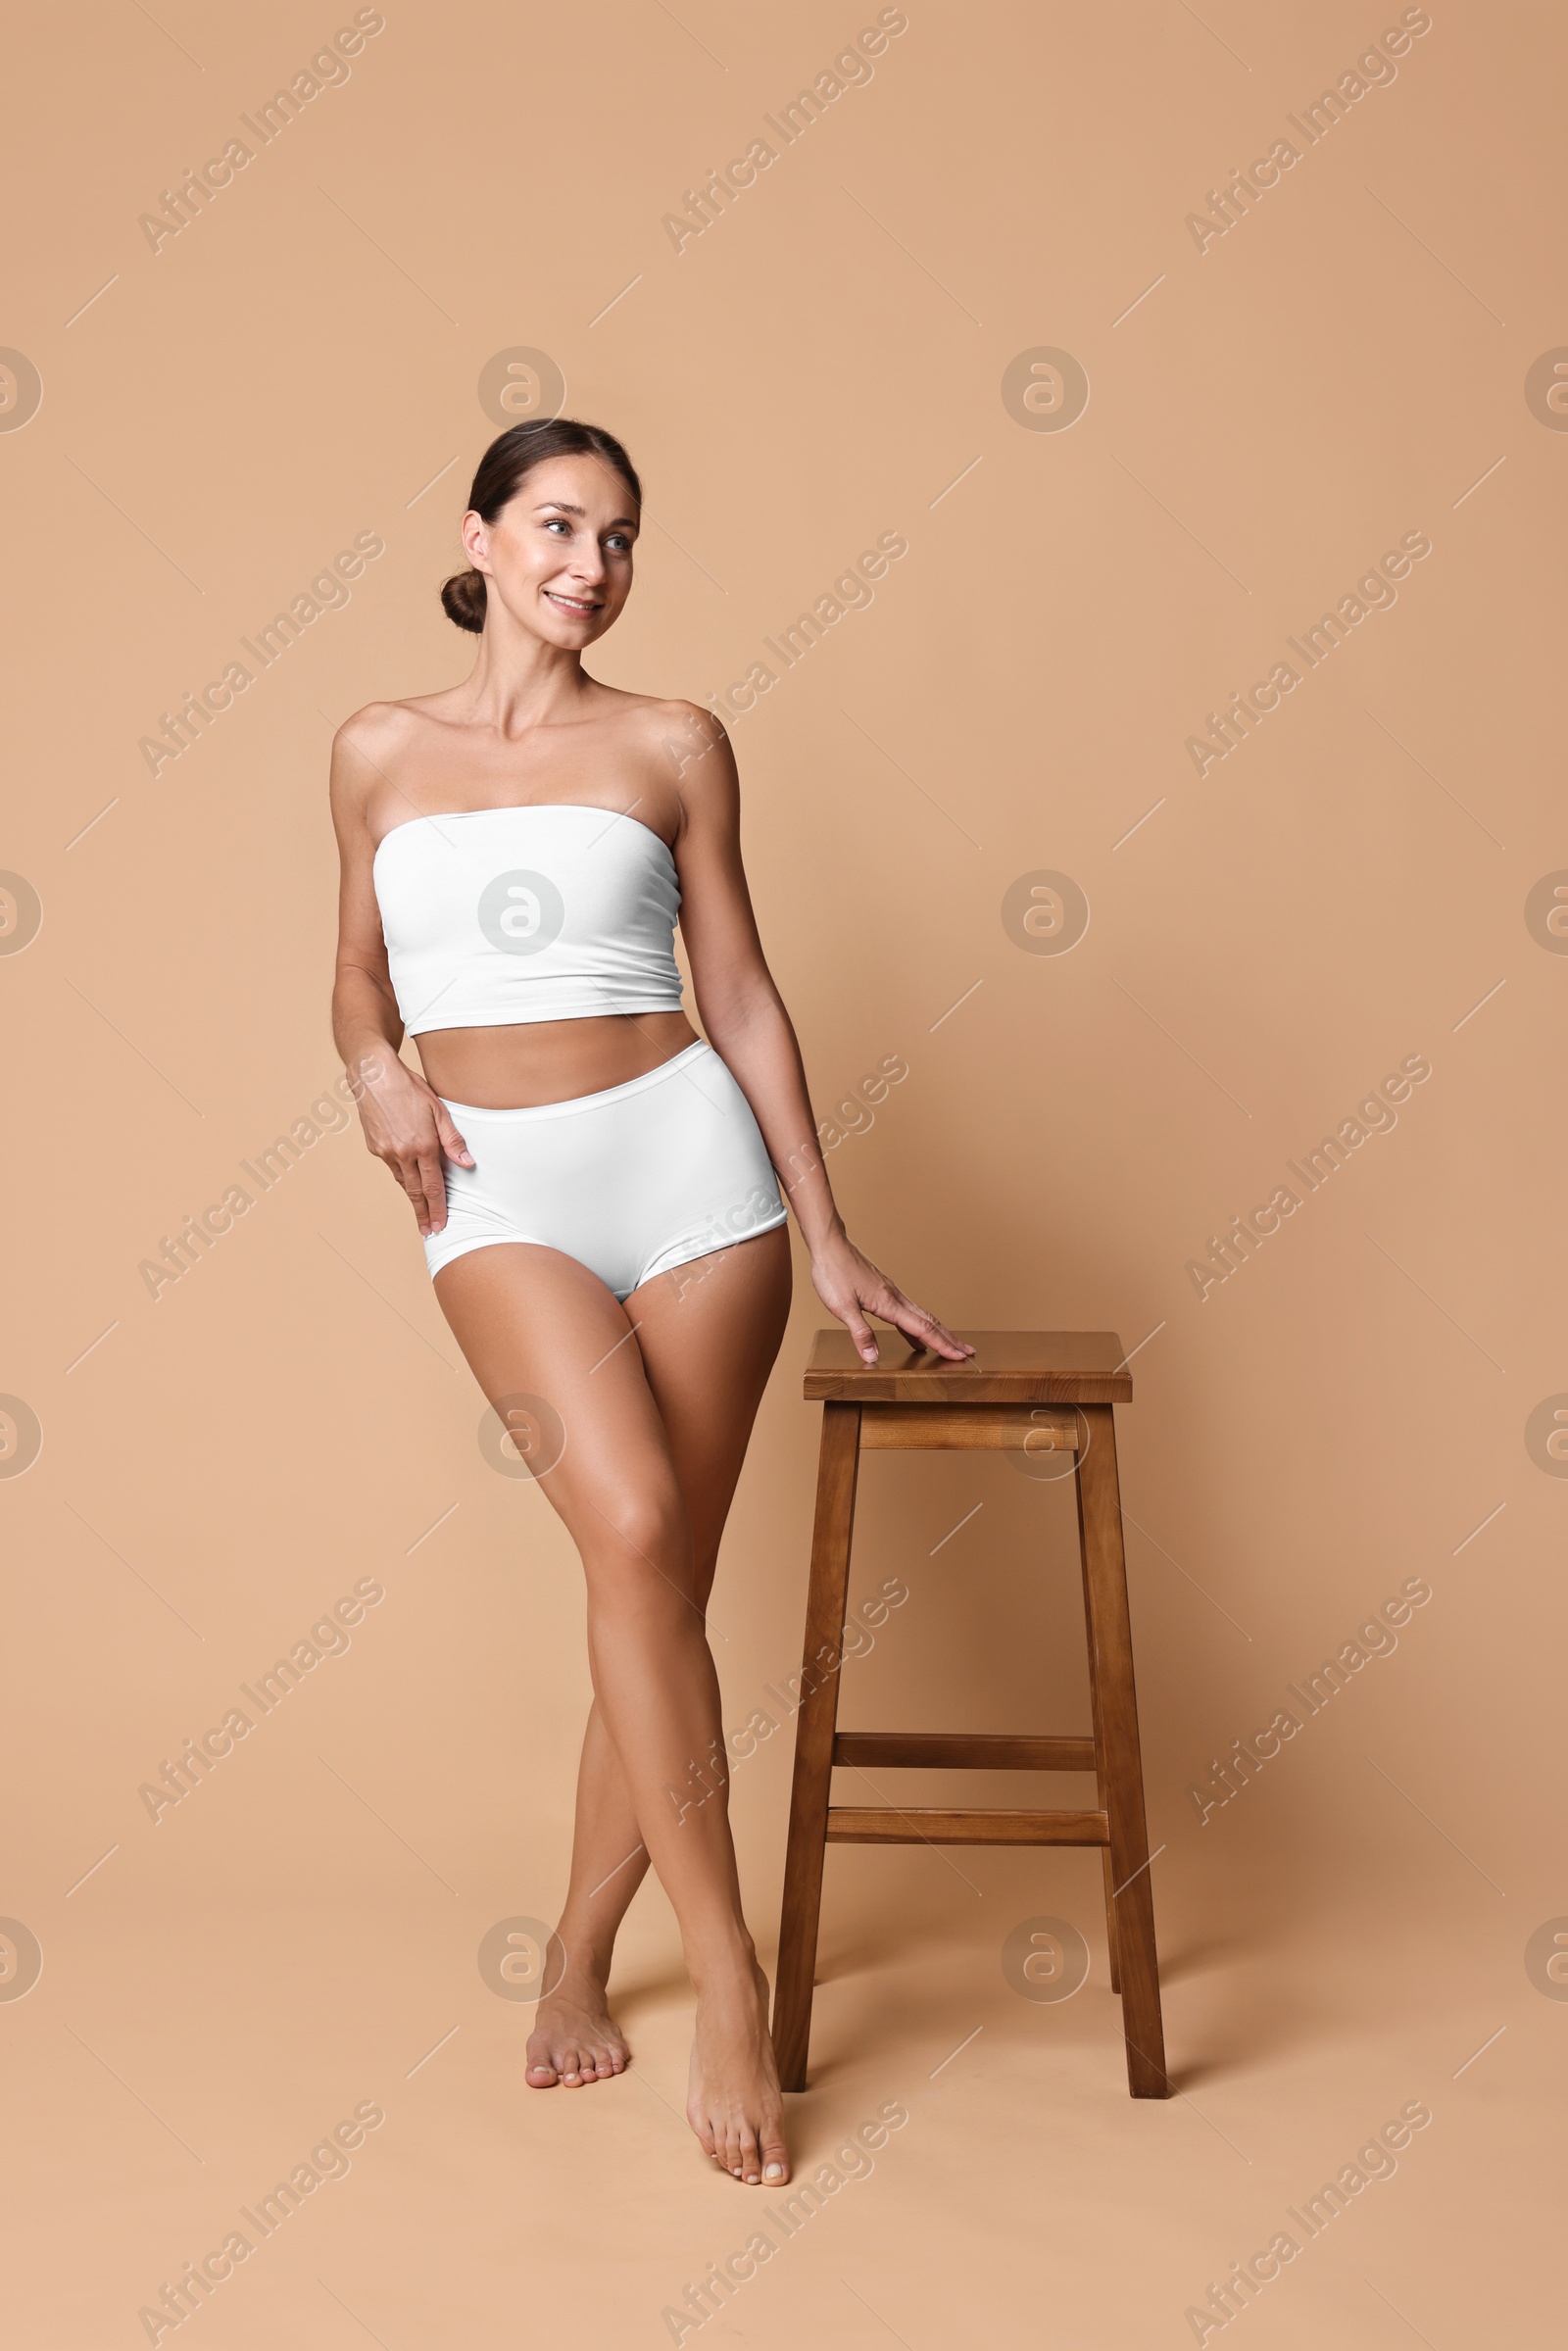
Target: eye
(558, 522)
(619, 541)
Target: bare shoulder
(378, 728)
(692, 748)
(370, 744)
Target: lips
(571, 604)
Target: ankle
(576, 1962)
(725, 1964)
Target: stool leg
(1112, 1952)
(837, 1471)
(1120, 1767)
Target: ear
(475, 535)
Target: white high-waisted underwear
(630, 1182)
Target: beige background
(1266, 417)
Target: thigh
(708, 1333)
(557, 1357)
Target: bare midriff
(539, 1062)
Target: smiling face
(557, 556)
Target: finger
(413, 1185)
(915, 1322)
(861, 1332)
(451, 1143)
(432, 1178)
(412, 1176)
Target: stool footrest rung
(848, 1825)
(964, 1750)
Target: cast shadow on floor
(1229, 2010)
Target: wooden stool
(1008, 1396)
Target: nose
(588, 563)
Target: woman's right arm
(405, 1122)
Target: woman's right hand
(409, 1126)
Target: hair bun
(463, 599)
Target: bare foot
(734, 2104)
(574, 2039)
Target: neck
(519, 681)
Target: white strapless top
(545, 913)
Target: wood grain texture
(1121, 1778)
(1009, 1368)
(905, 1404)
(851, 1825)
(969, 1429)
(964, 1751)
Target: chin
(556, 629)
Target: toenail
(775, 2171)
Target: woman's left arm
(748, 1025)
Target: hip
(631, 1180)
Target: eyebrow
(562, 505)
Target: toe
(775, 2159)
(541, 2073)
(750, 2160)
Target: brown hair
(503, 470)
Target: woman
(594, 1183)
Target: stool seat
(1008, 1367)
(1031, 1392)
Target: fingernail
(775, 2171)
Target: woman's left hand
(850, 1287)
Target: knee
(642, 1534)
